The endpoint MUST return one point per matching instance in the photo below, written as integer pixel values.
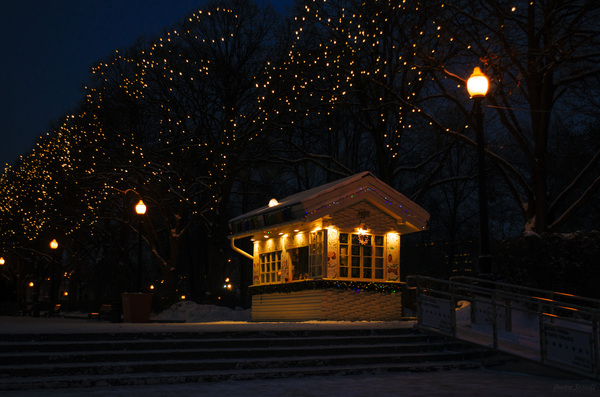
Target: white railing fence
(552, 328)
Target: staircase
(82, 360)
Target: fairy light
(152, 148)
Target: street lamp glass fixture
(477, 84)
(140, 208)
(2, 261)
(54, 244)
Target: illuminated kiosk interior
(329, 253)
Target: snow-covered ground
(202, 318)
(429, 384)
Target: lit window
(318, 254)
(361, 256)
(270, 267)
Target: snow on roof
(299, 197)
(318, 200)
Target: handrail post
(494, 322)
(508, 314)
(542, 332)
(418, 298)
(452, 309)
(595, 347)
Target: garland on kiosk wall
(356, 286)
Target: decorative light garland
(351, 195)
(306, 285)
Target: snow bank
(191, 312)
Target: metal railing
(552, 328)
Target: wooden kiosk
(329, 253)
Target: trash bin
(136, 307)
(115, 312)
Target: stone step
(182, 353)
(154, 378)
(200, 364)
(143, 343)
(118, 359)
(233, 334)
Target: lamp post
(53, 247)
(140, 209)
(477, 86)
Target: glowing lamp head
(273, 202)
(54, 244)
(477, 84)
(2, 261)
(140, 208)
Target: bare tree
(542, 57)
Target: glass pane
(356, 250)
(379, 263)
(343, 272)
(355, 261)
(378, 240)
(343, 250)
(355, 239)
(343, 238)
(344, 261)
(367, 250)
(268, 277)
(379, 273)
(355, 272)
(367, 273)
(378, 251)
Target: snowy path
(430, 384)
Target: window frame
(358, 261)
(270, 267)
(317, 254)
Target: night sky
(48, 46)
